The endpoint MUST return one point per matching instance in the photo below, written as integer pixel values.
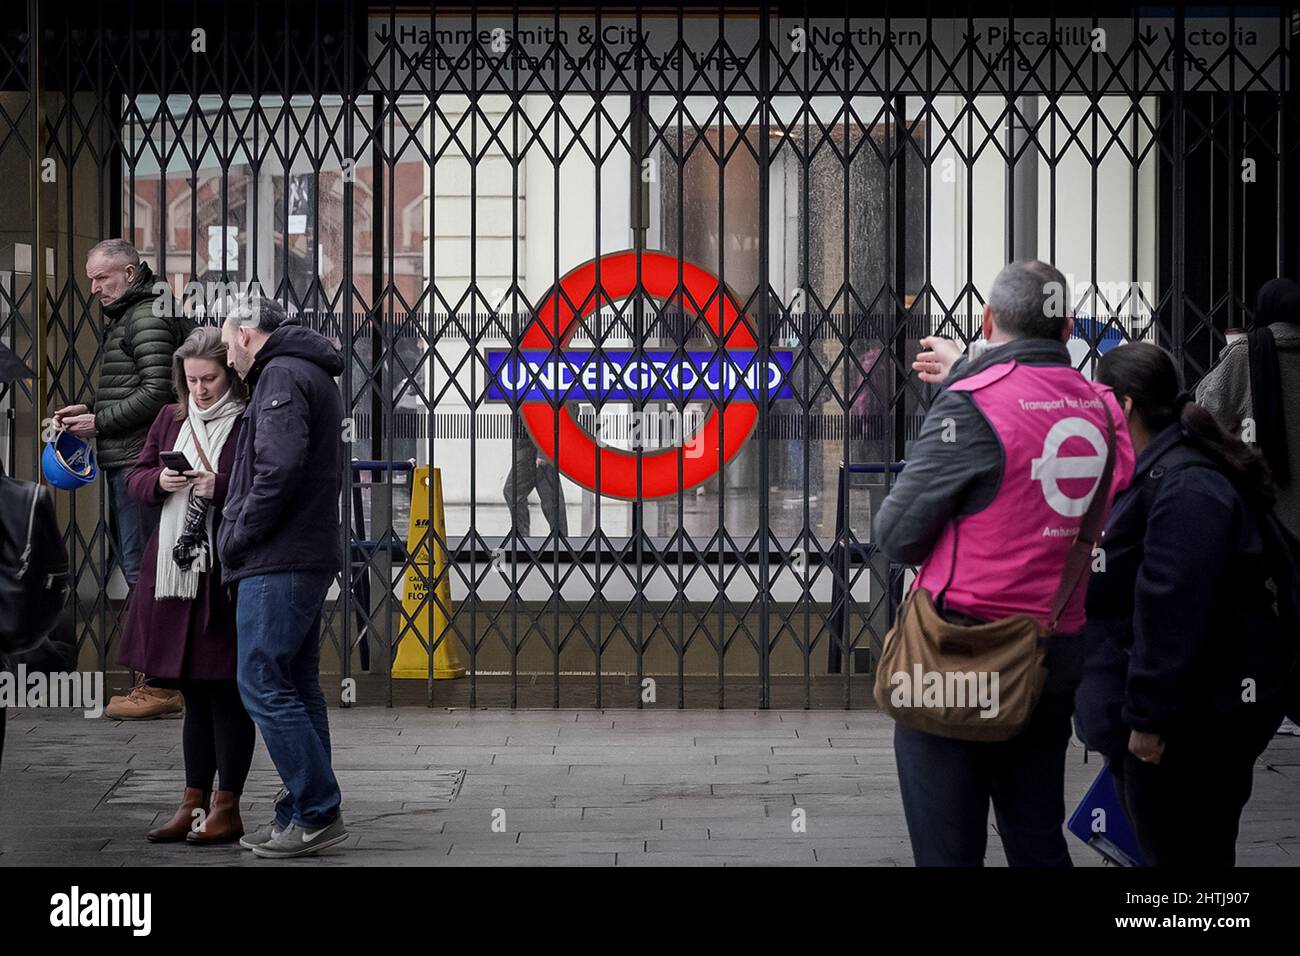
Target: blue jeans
(132, 523)
(278, 617)
(947, 785)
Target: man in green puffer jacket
(143, 330)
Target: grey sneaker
(299, 841)
(263, 834)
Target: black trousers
(218, 736)
(947, 786)
(1186, 809)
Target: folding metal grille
(415, 181)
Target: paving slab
(652, 787)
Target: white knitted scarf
(208, 427)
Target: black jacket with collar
(1181, 617)
(282, 507)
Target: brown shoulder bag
(982, 681)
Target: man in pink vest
(993, 493)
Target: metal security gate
(644, 286)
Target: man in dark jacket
(134, 383)
(1272, 349)
(58, 650)
(1264, 367)
(279, 542)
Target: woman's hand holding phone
(172, 481)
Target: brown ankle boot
(222, 824)
(174, 830)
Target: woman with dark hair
(1181, 691)
(180, 626)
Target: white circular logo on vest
(1052, 467)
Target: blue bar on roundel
(629, 375)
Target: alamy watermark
(646, 429)
(201, 299)
(76, 909)
(78, 690)
(946, 690)
(1129, 297)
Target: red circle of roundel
(577, 454)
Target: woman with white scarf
(180, 626)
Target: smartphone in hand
(176, 461)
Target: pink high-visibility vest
(1052, 425)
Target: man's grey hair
(118, 250)
(258, 312)
(1030, 300)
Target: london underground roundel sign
(731, 378)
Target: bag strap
(24, 560)
(198, 445)
(207, 465)
(1080, 553)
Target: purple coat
(179, 637)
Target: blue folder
(1099, 821)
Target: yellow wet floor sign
(427, 617)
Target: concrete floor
(612, 787)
